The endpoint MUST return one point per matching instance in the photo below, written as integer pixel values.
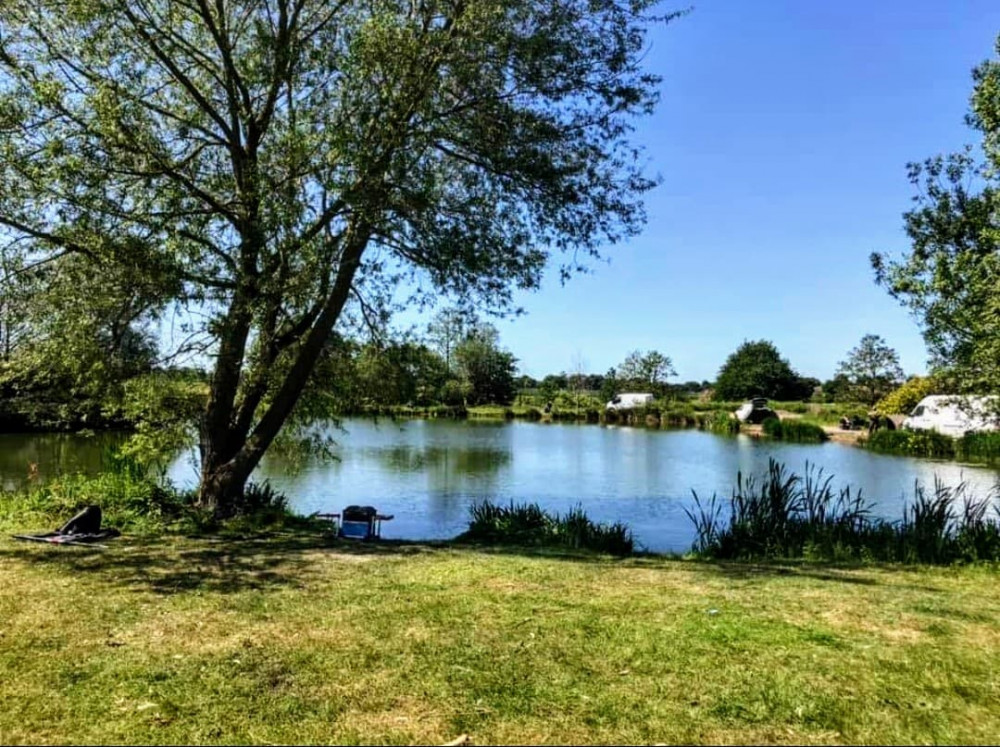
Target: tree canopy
(756, 369)
(648, 370)
(487, 370)
(872, 369)
(69, 338)
(276, 166)
(903, 399)
(950, 279)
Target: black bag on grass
(87, 521)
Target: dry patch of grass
(297, 639)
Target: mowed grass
(298, 639)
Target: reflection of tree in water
(452, 474)
(434, 459)
(53, 455)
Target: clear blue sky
(781, 138)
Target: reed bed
(721, 422)
(527, 524)
(784, 515)
(982, 446)
(793, 430)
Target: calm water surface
(428, 472)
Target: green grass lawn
(297, 639)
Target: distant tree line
(63, 369)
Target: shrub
(793, 430)
(903, 399)
(528, 524)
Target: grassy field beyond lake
(301, 640)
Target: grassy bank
(973, 447)
(298, 640)
(138, 504)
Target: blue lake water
(428, 472)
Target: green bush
(720, 422)
(902, 400)
(528, 524)
(793, 430)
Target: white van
(954, 415)
(628, 400)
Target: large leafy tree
(756, 369)
(447, 330)
(950, 279)
(648, 370)
(399, 373)
(872, 368)
(276, 161)
(486, 370)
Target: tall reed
(913, 443)
(783, 515)
(720, 422)
(793, 430)
(529, 524)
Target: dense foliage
(486, 370)
(756, 369)
(280, 167)
(644, 372)
(872, 370)
(949, 278)
(69, 340)
(904, 398)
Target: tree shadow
(171, 565)
(218, 564)
(845, 572)
(834, 572)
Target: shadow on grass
(171, 564)
(844, 572)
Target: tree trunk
(222, 482)
(229, 454)
(221, 487)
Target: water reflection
(411, 458)
(40, 457)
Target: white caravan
(628, 400)
(954, 415)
